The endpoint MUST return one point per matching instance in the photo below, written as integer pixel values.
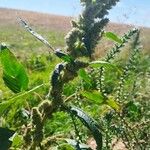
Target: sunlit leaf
(65, 146)
(98, 64)
(83, 74)
(14, 74)
(94, 1)
(17, 140)
(113, 36)
(113, 104)
(18, 97)
(95, 96)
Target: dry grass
(8, 17)
(46, 21)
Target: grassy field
(53, 28)
(39, 64)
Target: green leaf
(17, 98)
(17, 140)
(14, 74)
(89, 123)
(98, 64)
(94, 96)
(112, 36)
(83, 74)
(65, 146)
(113, 104)
(93, 1)
(132, 106)
(67, 58)
(133, 109)
(5, 134)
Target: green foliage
(63, 56)
(114, 92)
(84, 76)
(117, 48)
(113, 37)
(16, 100)
(113, 104)
(17, 141)
(98, 64)
(65, 147)
(36, 63)
(95, 96)
(14, 74)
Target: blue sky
(127, 11)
